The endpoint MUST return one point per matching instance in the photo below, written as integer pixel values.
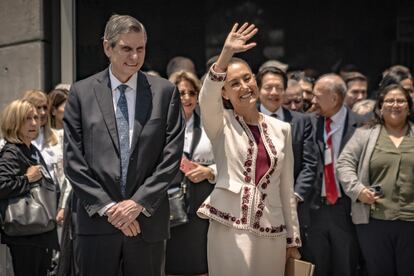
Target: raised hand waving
(236, 42)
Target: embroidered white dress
(250, 225)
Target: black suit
(92, 164)
(304, 151)
(332, 244)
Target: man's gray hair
(122, 24)
(335, 82)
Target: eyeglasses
(391, 102)
(190, 94)
(296, 101)
(269, 88)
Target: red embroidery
(216, 77)
(228, 216)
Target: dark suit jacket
(92, 157)
(352, 122)
(304, 151)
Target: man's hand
(123, 213)
(132, 230)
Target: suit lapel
(103, 93)
(196, 134)
(143, 105)
(350, 125)
(287, 115)
(319, 136)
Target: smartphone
(186, 165)
(377, 189)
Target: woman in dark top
(21, 165)
(187, 247)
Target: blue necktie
(122, 122)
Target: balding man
(332, 245)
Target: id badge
(328, 156)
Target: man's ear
(107, 48)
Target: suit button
(131, 159)
(117, 178)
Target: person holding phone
(252, 209)
(375, 171)
(187, 247)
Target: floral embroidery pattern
(252, 197)
(227, 216)
(289, 241)
(258, 215)
(248, 163)
(216, 76)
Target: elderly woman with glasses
(376, 172)
(187, 247)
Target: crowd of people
(275, 164)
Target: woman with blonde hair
(21, 166)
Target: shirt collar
(132, 82)
(190, 123)
(339, 116)
(278, 112)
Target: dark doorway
(323, 35)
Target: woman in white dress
(252, 210)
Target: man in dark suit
(124, 136)
(332, 245)
(272, 84)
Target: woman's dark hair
(393, 77)
(380, 101)
(271, 70)
(56, 98)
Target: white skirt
(237, 252)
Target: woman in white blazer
(252, 210)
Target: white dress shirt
(131, 96)
(278, 112)
(203, 152)
(337, 130)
